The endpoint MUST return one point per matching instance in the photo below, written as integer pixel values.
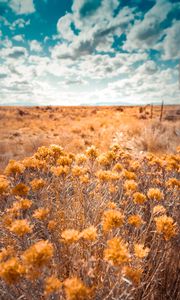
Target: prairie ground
(89, 203)
(24, 129)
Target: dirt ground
(24, 129)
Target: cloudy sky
(72, 52)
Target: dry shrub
(157, 137)
(32, 144)
(90, 226)
(149, 136)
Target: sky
(89, 52)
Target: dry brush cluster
(89, 226)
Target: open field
(95, 219)
(23, 130)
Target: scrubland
(23, 129)
(90, 209)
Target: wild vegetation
(76, 128)
(92, 225)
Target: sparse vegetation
(90, 226)
(75, 128)
(89, 222)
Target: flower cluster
(89, 225)
(117, 252)
(38, 254)
(165, 225)
(112, 219)
(11, 270)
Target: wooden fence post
(151, 111)
(161, 114)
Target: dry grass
(90, 226)
(150, 136)
(82, 223)
(23, 130)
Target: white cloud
(171, 43)
(146, 87)
(4, 21)
(14, 53)
(144, 34)
(76, 73)
(3, 72)
(24, 83)
(21, 7)
(96, 30)
(148, 68)
(64, 27)
(19, 23)
(18, 38)
(35, 46)
(7, 43)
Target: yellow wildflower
(7, 220)
(70, 236)
(38, 254)
(41, 213)
(117, 252)
(34, 163)
(155, 194)
(89, 233)
(52, 225)
(37, 184)
(20, 190)
(64, 161)
(118, 167)
(84, 179)
(115, 147)
(78, 171)
(24, 203)
(20, 227)
(4, 185)
(129, 175)
(173, 182)
(21, 204)
(130, 186)
(80, 159)
(135, 220)
(52, 285)
(107, 175)
(134, 166)
(11, 270)
(165, 225)
(44, 153)
(112, 219)
(139, 198)
(58, 171)
(103, 160)
(159, 209)
(140, 251)
(92, 152)
(56, 150)
(75, 289)
(13, 168)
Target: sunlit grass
(89, 226)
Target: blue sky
(73, 52)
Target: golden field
(89, 203)
(23, 130)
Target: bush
(90, 226)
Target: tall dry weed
(90, 226)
